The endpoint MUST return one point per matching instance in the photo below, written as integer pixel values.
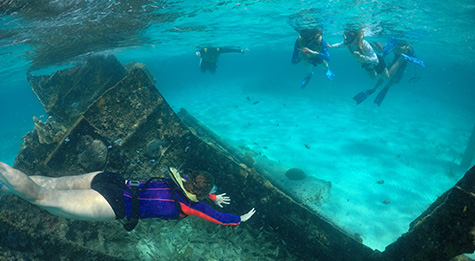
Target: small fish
(248, 98)
(256, 102)
(387, 201)
(307, 146)
(380, 181)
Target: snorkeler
(103, 196)
(210, 55)
(361, 50)
(401, 49)
(313, 50)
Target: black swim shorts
(379, 68)
(315, 60)
(111, 186)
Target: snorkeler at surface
(362, 52)
(103, 196)
(210, 55)
(401, 49)
(313, 50)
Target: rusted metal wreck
(106, 116)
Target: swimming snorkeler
(103, 196)
(362, 52)
(401, 49)
(313, 50)
(210, 55)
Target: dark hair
(350, 35)
(200, 183)
(308, 34)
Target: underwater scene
(341, 122)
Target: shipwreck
(103, 115)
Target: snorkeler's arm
(295, 54)
(232, 50)
(337, 45)
(202, 210)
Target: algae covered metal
(106, 116)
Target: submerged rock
(295, 174)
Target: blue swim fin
(329, 74)
(414, 60)
(306, 80)
(390, 46)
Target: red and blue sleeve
(202, 210)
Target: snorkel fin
(414, 60)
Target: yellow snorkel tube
(176, 177)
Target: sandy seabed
(386, 164)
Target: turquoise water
(414, 141)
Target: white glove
(222, 199)
(248, 215)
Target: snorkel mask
(213, 190)
(349, 36)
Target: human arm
(232, 50)
(202, 210)
(337, 45)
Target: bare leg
(380, 81)
(65, 183)
(83, 204)
(325, 66)
(61, 183)
(308, 67)
(385, 74)
(371, 74)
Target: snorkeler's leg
(308, 67)
(394, 68)
(67, 182)
(306, 80)
(376, 86)
(385, 74)
(327, 70)
(18, 183)
(382, 94)
(371, 74)
(85, 204)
